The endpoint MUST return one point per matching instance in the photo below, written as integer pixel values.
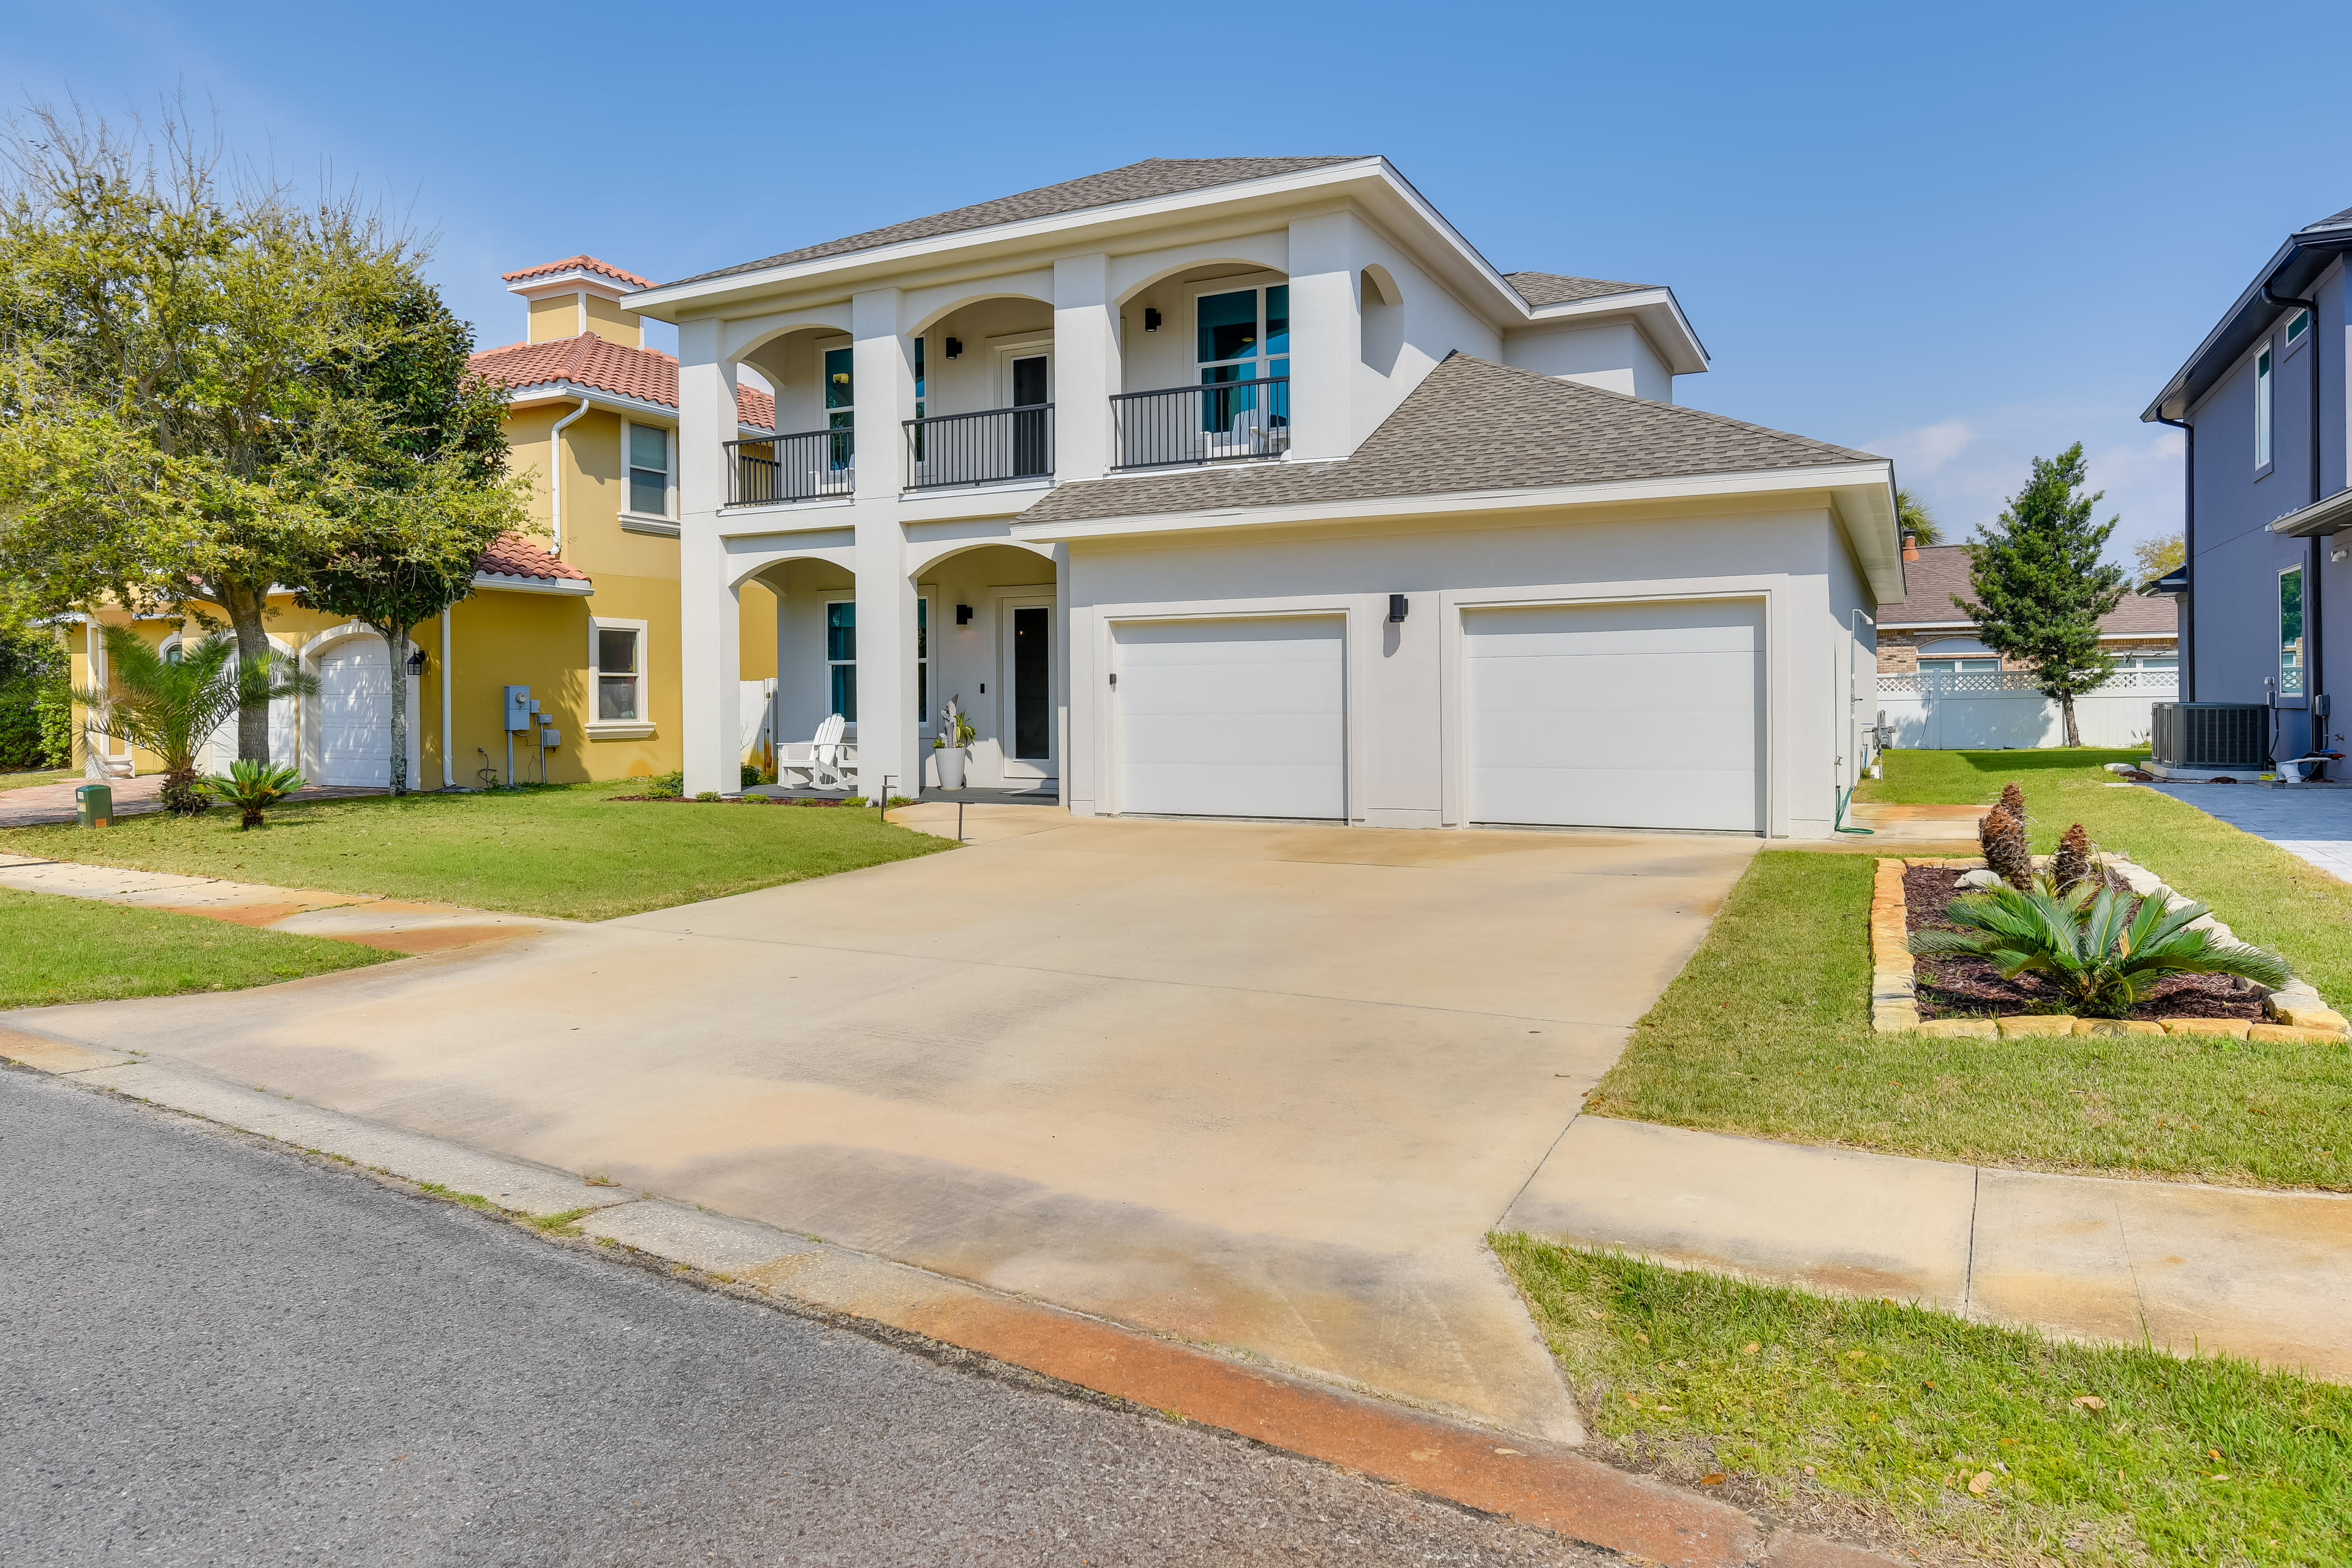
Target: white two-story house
(1247, 488)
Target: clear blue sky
(1956, 236)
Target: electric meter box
(518, 707)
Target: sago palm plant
(252, 788)
(172, 706)
(2102, 957)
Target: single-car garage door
(355, 713)
(1230, 718)
(1646, 715)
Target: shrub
(20, 726)
(707, 794)
(2102, 957)
(752, 775)
(668, 783)
(251, 787)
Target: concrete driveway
(1259, 1086)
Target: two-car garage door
(1631, 715)
(1622, 715)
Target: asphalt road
(213, 1350)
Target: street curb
(1545, 1485)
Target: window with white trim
(2296, 330)
(1957, 656)
(649, 469)
(2265, 394)
(841, 659)
(617, 651)
(2291, 632)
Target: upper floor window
(648, 470)
(2297, 328)
(1243, 334)
(2263, 405)
(840, 405)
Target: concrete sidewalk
(2256, 1273)
(398, 925)
(41, 806)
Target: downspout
(449, 763)
(2188, 555)
(2312, 617)
(555, 469)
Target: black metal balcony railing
(771, 469)
(1000, 445)
(1202, 424)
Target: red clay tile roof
(515, 556)
(589, 360)
(579, 264)
(1942, 571)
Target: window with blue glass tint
(1228, 326)
(840, 386)
(841, 656)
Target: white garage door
(1231, 718)
(355, 713)
(1617, 715)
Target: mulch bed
(1952, 988)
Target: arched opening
(1381, 312)
(346, 724)
(992, 647)
(810, 373)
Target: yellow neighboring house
(585, 614)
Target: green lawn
(1766, 1031)
(55, 950)
(37, 776)
(565, 851)
(1974, 778)
(1885, 1415)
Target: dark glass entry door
(1032, 683)
(1033, 443)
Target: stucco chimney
(1910, 547)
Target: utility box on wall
(518, 708)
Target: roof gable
(588, 361)
(1131, 183)
(1541, 288)
(1471, 424)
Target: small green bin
(94, 806)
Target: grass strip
(567, 851)
(1874, 1418)
(1767, 1032)
(57, 949)
(36, 776)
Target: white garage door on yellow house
(585, 612)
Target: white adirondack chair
(824, 764)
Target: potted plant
(956, 734)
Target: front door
(1028, 727)
(1033, 440)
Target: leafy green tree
(182, 360)
(1913, 518)
(2152, 558)
(2041, 585)
(171, 706)
(33, 673)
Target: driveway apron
(1260, 1087)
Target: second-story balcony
(996, 446)
(773, 470)
(1217, 422)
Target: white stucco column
(1325, 334)
(887, 719)
(1085, 366)
(709, 615)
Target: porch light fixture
(1151, 318)
(416, 662)
(955, 348)
(1397, 605)
(963, 614)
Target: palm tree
(171, 706)
(1912, 516)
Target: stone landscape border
(2296, 1008)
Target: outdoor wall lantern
(416, 662)
(963, 614)
(955, 348)
(1151, 318)
(1396, 609)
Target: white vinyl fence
(1945, 711)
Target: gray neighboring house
(2263, 403)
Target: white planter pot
(951, 761)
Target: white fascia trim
(653, 300)
(571, 283)
(1764, 481)
(507, 583)
(1652, 304)
(611, 402)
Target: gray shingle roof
(1134, 182)
(1471, 424)
(1941, 571)
(1556, 289)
